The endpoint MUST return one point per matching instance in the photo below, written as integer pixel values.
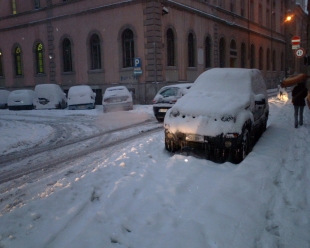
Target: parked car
(166, 97)
(49, 96)
(4, 94)
(81, 97)
(222, 116)
(117, 98)
(20, 100)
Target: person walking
(299, 94)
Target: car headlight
(228, 118)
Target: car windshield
(169, 92)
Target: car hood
(209, 113)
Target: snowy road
(138, 195)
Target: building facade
(72, 42)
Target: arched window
(261, 59)
(95, 52)
(39, 58)
(191, 50)
(274, 66)
(208, 50)
(243, 56)
(1, 65)
(252, 56)
(67, 56)
(170, 48)
(268, 60)
(222, 52)
(18, 61)
(128, 48)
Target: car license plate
(194, 137)
(162, 110)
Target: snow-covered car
(4, 94)
(117, 98)
(49, 96)
(222, 116)
(81, 97)
(20, 100)
(167, 97)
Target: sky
(139, 195)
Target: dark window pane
(95, 52)
(191, 51)
(18, 62)
(170, 48)
(128, 48)
(67, 57)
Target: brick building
(94, 42)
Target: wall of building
(78, 20)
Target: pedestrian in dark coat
(299, 94)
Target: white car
(49, 96)
(221, 117)
(4, 94)
(20, 99)
(81, 97)
(166, 97)
(117, 98)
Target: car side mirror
(260, 99)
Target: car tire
(245, 145)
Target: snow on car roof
(221, 90)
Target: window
(191, 50)
(268, 60)
(67, 56)
(208, 50)
(18, 61)
(14, 7)
(1, 65)
(233, 54)
(260, 59)
(128, 48)
(251, 10)
(36, 4)
(95, 52)
(260, 14)
(232, 6)
(282, 61)
(222, 52)
(268, 18)
(243, 56)
(242, 8)
(39, 58)
(252, 57)
(274, 66)
(170, 48)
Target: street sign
(294, 47)
(295, 40)
(137, 70)
(299, 53)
